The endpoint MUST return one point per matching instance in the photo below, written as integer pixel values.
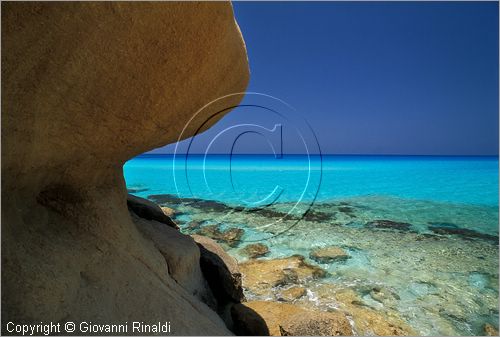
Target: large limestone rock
(222, 273)
(276, 319)
(182, 256)
(367, 321)
(260, 276)
(329, 254)
(86, 86)
(221, 270)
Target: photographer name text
(86, 328)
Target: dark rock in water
(467, 234)
(389, 224)
(354, 224)
(231, 236)
(202, 204)
(347, 211)
(148, 210)
(271, 213)
(444, 224)
(193, 225)
(255, 250)
(317, 216)
(163, 199)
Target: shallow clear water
(442, 263)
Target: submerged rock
(468, 234)
(316, 324)
(317, 216)
(255, 250)
(389, 224)
(367, 321)
(231, 236)
(329, 254)
(148, 210)
(490, 330)
(260, 276)
(276, 319)
(170, 212)
(291, 294)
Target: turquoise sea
(423, 227)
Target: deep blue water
(250, 179)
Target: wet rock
(292, 294)
(148, 210)
(490, 330)
(260, 276)
(384, 295)
(388, 224)
(255, 250)
(170, 212)
(329, 254)
(347, 210)
(231, 236)
(193, 225)
(317, 216)
(165, 199)
(212, 231)
(275, 319)
(367, 321)
(316, 324)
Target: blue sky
(375, 78)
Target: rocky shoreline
(286, 315)
(274, 282)
(291, 295)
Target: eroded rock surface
(255, 250)
(276, 319)
(329, 254)
(148, 210)
(87, 86)
(259, 276)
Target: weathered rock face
(255, 250)
(148, 210)
(85, 87)
(329, 254)
(221, 270)
(223, 276)
(277, 319)
(259, 276)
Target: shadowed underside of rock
(85, 87)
